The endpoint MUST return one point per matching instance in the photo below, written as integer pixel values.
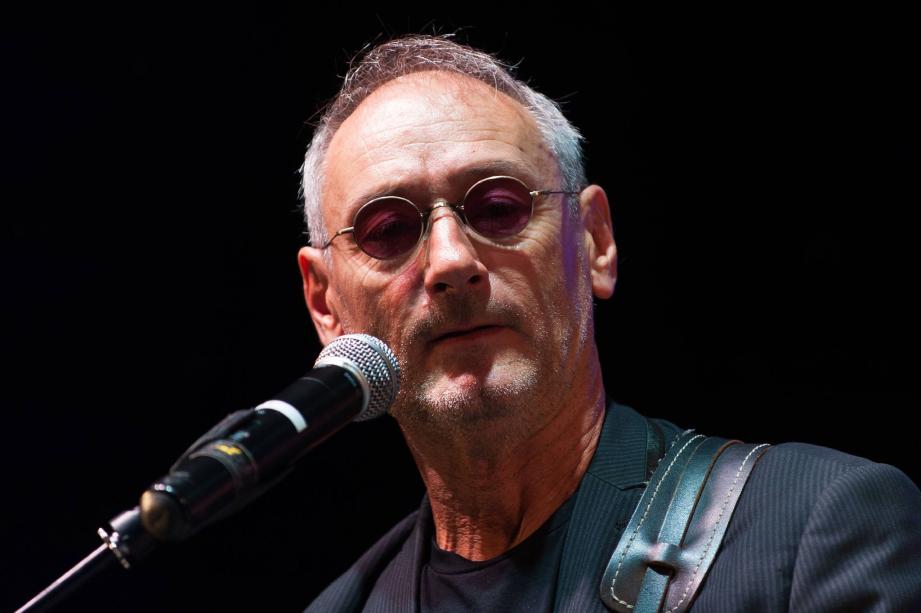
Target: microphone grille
(374, 361)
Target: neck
(492, 487)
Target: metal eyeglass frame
(442, 203)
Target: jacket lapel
(605, 500)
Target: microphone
(356, 377)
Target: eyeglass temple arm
(547, 192)
(338, 234)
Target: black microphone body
(260, 446)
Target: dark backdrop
(760, 167)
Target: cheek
(378, 302)
(555, 276)
(558, 263)
(529, 279)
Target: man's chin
(455, 399)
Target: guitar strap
(673, 536)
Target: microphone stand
(124, 538)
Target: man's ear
(319, 295)
(599, 240)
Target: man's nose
(453, 264)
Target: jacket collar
(608, 494)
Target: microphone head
(373, 363)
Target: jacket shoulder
(819, 529)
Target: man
(449, 216)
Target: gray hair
(417, 53)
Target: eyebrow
(463, 178)
(519, 170)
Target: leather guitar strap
(677, 527)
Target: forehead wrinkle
(421, 141)
(370, 157)
(376, 150)
(396, 173)
(368, 151)
(460, 178)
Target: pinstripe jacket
(814, 530)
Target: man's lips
(471, 333)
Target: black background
(761, 171)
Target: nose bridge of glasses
(434, 213)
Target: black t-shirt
(521, 579)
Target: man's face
(481, 329)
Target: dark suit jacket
(814, 530)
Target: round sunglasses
(494, 208)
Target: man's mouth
(471, 333)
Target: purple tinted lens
(387, 227)
(498, 208)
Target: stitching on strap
(672, 444)
(715, 525)
(646, 512)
